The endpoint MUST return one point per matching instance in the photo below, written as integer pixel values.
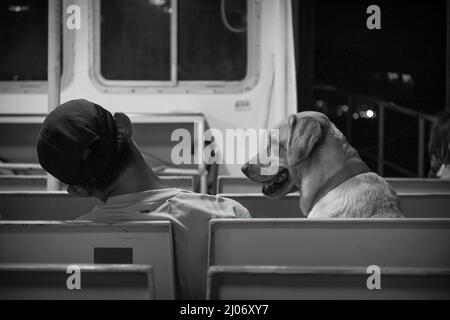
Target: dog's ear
(305, 134)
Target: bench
(52, 205)
(232, 184)
(49, 282)
(23, 183)
(143, 242)
(39, 182)
(261, 207)
(419, 186)
(60, 205)
(418, 243)
(413, 205)
(152, 132)
(300, 283)
(425, 205)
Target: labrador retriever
(315, 159)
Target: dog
(316, 159)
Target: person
(439, 147)
(83, 145)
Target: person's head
(439, 145)
(86, 147)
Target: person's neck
(137, 177)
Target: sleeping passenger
(92, 151)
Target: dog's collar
(354, 168)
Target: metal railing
(420, 116)
(382, 106)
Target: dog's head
(296, 140)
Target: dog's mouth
(279, 186)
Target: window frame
(41, 86)
(174, 85)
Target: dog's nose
(244, 168)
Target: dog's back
(364, 196)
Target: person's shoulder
(239, 210)
(214, 205)
(90, 216)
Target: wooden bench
(416, 243)
(39, 182)
(152, 134)
(49, 282)
(22, 183)
(413, 205)
(53, 205)
(419, 186)
(232, 184)
(143, 242)
(61, 206)
(300, 283)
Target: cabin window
(173, 43)
(135, 40)
(222, 39)
(24, 41)
(23, 35)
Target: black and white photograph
(225, 155)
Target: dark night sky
(412, 40)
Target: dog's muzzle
(274, 186)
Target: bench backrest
(50, 282)
(261, 207)
(421, 243)
(413, 205)
(297, 283)
(58, 205)
(231, 184)
(152, 134)
(39, 183)
(146, 242)
(419, 186)
(22, 183)
(54, 205)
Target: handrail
(382, 106)
(373, 99)
(54, 66)
(420, 116)
(23, 166)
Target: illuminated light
(18, 8)
(158, 2)
(370, 114)
(393, 76)
(407, 78)
(355, 116)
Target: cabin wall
(268, 102)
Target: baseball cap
(77, 142)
